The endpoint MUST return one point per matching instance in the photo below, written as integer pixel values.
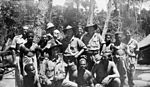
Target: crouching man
(82, 76)
(105, 73)
(52, 72)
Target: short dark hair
(26, 68)
(29, 32)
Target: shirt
(74, 46)
(50, 69)
(93, 43)
(133, 45)
(18, 40)
(52, 42)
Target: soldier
(94, 42)
(73, 47)
(105, 73)
(52, 72)
(49, 30)
(53, 41)
(131, 58)
(83, 77)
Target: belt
(93, 51)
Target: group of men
(86, 60)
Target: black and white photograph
(74, 43)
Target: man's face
(91, 30)
(118, 37)
(30, 37)
(56, 34)
(25, 29)
(31, 71)
(83, 64)
(80, 30)
(69, 33)
(55, 52)
(45, 38)
(108, 38)
(128, 35)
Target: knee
(99, 85)
(116, 82)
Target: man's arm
(115, 74)
(91, 80)
(115, 71)
(82, 46)
(94, 70)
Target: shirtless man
(28, 52)
(82, 76)
(105, 73)
(30, 80)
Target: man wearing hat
(50, 29)
(94, 42)
(52, 71)
(131, 57)
(73, 47)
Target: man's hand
(106, 80)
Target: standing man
(82, 76)
(108, 46)
(94, 42)
(105, 73)
(29, 52)
(120, 61)
(73, 47)
(17, 41)
(131, 58)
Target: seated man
(52, 72)
(82, 76)
(105, 73)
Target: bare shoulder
(111, 63)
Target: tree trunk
(107, 18)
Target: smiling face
(80, 30)
(30, 36)
(56, 34)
